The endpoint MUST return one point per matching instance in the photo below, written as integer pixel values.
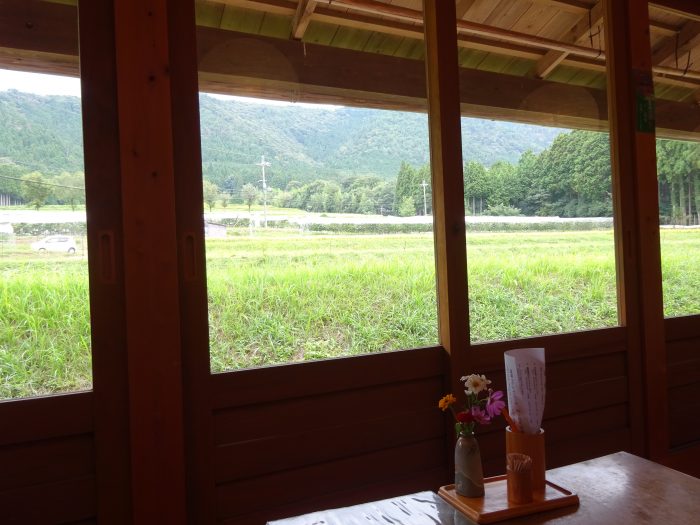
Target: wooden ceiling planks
(462, 7)
(506, 13)
(274, 18)
(534, 20)
(480, 11)
(276, 26)
(350, 38)
(209, 14)
(404, 19)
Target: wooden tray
(494, 505)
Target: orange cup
(531, 445)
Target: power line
(42, 183)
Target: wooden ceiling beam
(687, 39)
(302, 17)
(288, 70)
(29, 26)
(689, 9)
(581, 30)
(548, 63)
(368, 23)
(470, 28)
(504, 42)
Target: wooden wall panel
(392, 464)
(683, 349)
(280, 444)
(40, 418)
(47, 460)
(56, 503)
(320, 436)
(255, 386)
(584, 417)
(370, 491)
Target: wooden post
(105, 263)
(444, 121)
(150, 260)
(633, 146)
(199, 442)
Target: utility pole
(262, 164)
(425, 203)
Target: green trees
(570, 179)
(475, 187)
(210, 193)
(34, 189)
(679, 180)
(70, 188)
(413, 186)
(10, 174)
(405, 182)
(249, 194)
(407, 207)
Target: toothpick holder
(531, 445)
(519, 478)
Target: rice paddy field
(281, 296)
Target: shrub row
(245, 223)
(49, 228)
(78, 228)
(472, 227)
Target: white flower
(475, 383)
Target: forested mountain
(350, 160)
(302, 143)
(40, 133)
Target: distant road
(49, 216)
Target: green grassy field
(281, 296)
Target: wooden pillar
(189, 201)
(633, 147)
(444, 121)
(145, 230)
(106, 268)
(147, 157)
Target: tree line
(571, 178)
(37, 189)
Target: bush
(503, 210)
(49, 228)
(369, 228)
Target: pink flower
(480, 416)
(495, 403)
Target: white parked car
(55, 243)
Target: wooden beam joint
(302, 18)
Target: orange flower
(446, 402)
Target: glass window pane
(540, 246)
(677, 56)
(318, 217)
(44, 305)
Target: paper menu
(525, 381)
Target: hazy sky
(56, 85)
(39, 84)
